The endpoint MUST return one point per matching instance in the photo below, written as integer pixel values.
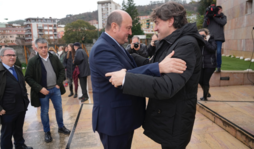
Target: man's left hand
(57, 87)
(117, 77)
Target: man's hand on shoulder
(172, 65)
(117, 77)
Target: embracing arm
(168, 84)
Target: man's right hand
(2, 112)
(172, 65)
(44, 91)
(132, 45)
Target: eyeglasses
(45, 47)
(10, 55)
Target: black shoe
(48, 137)
(26, 147)
(70, 94)
(81, 97)
(208, 95)
(218, 70)
(75, 96)
(203, 99)
(64, 130)
(84, 99)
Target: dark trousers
(205, 76)
(117, 142)
(12, 125)
(83, 81)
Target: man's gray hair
(5, 49)
(136, 37)
(114, 17)
(40, 40)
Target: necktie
(14, 73)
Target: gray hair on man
(116, 17)
(40, 40)
(5, 49)
(136, 37)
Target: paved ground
(235, 103)
(206, 135)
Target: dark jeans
(205, 76)
(12, 125)
(117, 142)
(55, 96)
(219, 45)
(83, 84)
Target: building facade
(239, 28)
(146, 24)
(12, 34)
(40, 27)
(104, 9)
(94, 23)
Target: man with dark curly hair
(172, 102)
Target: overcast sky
(21, 9)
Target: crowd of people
(167, 71)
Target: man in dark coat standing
(13, 101)
(216, 25)
(81, 59)
(45, 75)
(172, 102)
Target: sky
(22, 9)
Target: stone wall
(239, 27)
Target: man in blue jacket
(116, 115)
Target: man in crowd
(172, 102)
(45, 75)
(117, 115)
(137, 47)
(34, 51)
(216, 25)
(13, 101)
(81, 59)
(152, 47)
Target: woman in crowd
(208, 62)
(61, 53)
(53, 51)
(68, 63)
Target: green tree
(203, 4)
(131, 9)
(199, 21)
(80, 31)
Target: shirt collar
(6, 66)
(114, 40)
(46, 59)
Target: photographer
(137, 47)
(215, 21)
(208, 62)
(152, 47)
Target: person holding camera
(215, 21)
(152, 47)
(137, 47)
(208, 62)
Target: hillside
(142, 10)
(17, 22)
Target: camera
(204, 36)
(136, 45)
(212, 10)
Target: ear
(114, 27)
(171, 22)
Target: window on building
(46, 32)
(39, 25)
(249, 5)
(51, 37)
(50, 32)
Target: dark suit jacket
(115, 113)
(3, 82)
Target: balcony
(55, 32)
(40, 33)
(55, 37)
(55, 27)
(28, 22)
(27, 38)
(28, 33)
(28, 27)
(40, 27)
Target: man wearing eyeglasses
(45, 74)
(13, 101)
